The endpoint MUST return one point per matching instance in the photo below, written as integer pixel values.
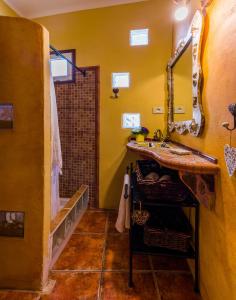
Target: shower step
(65, 222)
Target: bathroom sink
(154, 145)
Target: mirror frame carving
(194, 35)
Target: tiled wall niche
(78, 122)
(12, 223)
(6, 116)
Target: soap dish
(180, 151)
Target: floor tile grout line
(96, 211)
(103, 259)
(154, 278)
(105, 243)
(88, 233)
(20, 291)
(172, 272)
(98, 233)
(123, 271)
(76, 271)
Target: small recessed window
(139, 37)
(62, 70)
(130, 120)
(59, 67)
(120, 80)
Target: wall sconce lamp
(115, 92)
(181, 11)
(232, 110)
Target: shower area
(77, 105)
(74, 107)
(74, 103)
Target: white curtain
(56, 153)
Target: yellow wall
(218, 227)
(5, 10)
(101, 37)
(25, 151)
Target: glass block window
(139, 37)
(120, 80)
(59, 67)
(130, 120)
(62, 71)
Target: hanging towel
(56, 155)
(123, 219)
(56, 142)
(55, 197)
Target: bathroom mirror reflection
(184, 78)
(182, 83)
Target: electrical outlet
(179, 110)
(158, 110)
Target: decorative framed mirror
(184, 75)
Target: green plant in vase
(140, 133)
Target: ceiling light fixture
(181, 11)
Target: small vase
(140, 138)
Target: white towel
(56, 154)
(56, 142)
(55, 198)
(123, 219)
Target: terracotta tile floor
(10, 295)
(94, 266)
(83, 252)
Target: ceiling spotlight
(181, 13)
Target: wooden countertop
(192, 163)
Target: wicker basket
(170, 230)
(154, 190)
(166, 239)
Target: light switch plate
(158, 110)
(179, 110)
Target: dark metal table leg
(131, 229)
(197, 216)
(130, 260)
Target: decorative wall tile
(12, 223)
(6, 116)
(77, 109)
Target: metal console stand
(137, 246)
